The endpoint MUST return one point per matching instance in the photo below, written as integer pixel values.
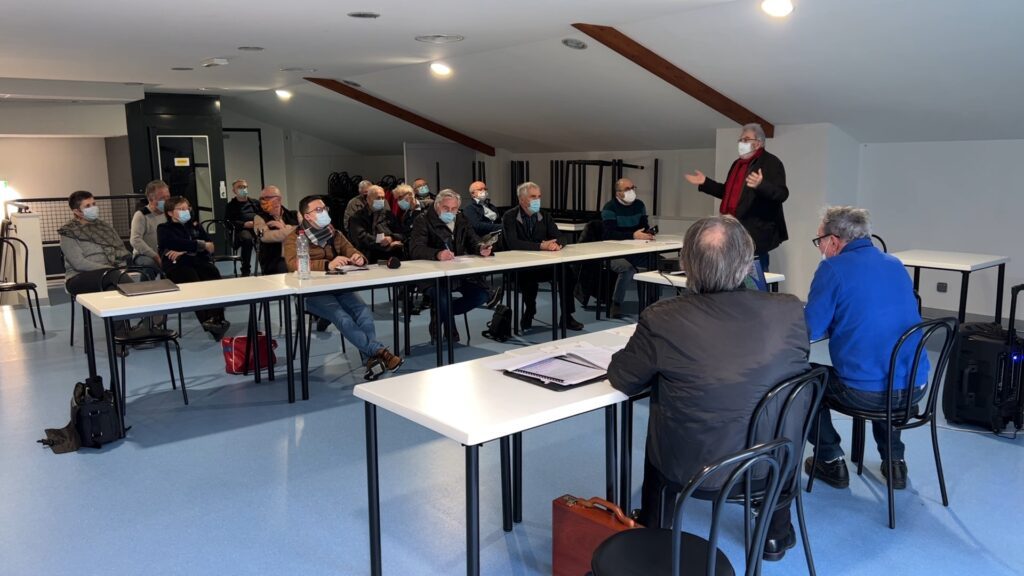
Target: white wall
(54, 167)
(51, 119)
(958, 196)
(455, 160)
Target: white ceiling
(883, 70)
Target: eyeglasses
(747, 140)
(817, 241)
(318, 210)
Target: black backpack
(500, 326)
(94, 419)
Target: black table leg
(964, 277)
(917, 278)
(407, 302)
(394, 317)
(373, 488)
(270, 338)
(286, 305)
(473, 510)
(254, 333)
(437, 339)
(90, 344)
(115, 385)
(515, 304)
(300, 325)
(449, 320)
(999, 295)
(626, 481)
(563, 272)
(555, 283)
(506, 486)
(611, 467)
(517, 477)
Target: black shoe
(526, 322)
(833, 473)
(216, 328)
(899, 473)
(496, 297)
(775, 549)
(322, 324)
(572, 324)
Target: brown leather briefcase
(580, 526)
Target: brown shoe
(391, 361)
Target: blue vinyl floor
(241, 482)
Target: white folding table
(961, 262)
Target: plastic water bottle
(302, 250)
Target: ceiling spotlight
(352, 84)
(283, 94)
(440, 38)
(364, 15)
(182, 68)
(777, 8)
(297, 69)
(214, 62)
(574, 44)
(439, 69)
(251, 48)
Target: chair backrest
(775, 457)
(9, 258)
(113, 276)
(592, 232)
(877, 240)
(213, 226)
(788, 411)
(918, 337)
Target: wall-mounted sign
(181, 162)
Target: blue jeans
(473, 295)
(828, 447)
(352, 318)
(625, 268)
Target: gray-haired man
(709, 356)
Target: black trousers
(651, 514)
(94, 281)
(528, 285)
(273, 266)
(244, 242)
(196, 272)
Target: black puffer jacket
(430, 236)
(709, 359)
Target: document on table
(563, 370)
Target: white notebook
(563, 370)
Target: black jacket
(474, 212)
(430, 236)
(233, 212)
(364, 225)
(182, 238)
(709, 359)
(760, 209)
(516, 235)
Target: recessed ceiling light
(440, 69)
(777, 8)
(440, 38)
(297, 69)
(214, 62)
(251, 48)
(182, 68)
(352, 84)
(202, 89)
(283, 94)
(365, 15)
(574, 44)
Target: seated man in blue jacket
(624, 218)
(862, 300)
(482, 215)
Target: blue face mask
(243, 192)
(160, 205)
(91, 213)
(404, 204)
(379, 205)
(447, 217)
(423, 190)
(535, 206)
(323, 219)
(184, 216)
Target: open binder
(560, 372)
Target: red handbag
(579, 527)
(235, 350)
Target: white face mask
(481, 196)
(745, 148)
(629, 196)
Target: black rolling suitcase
(983, 382)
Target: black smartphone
(652, 230)
(335, 272)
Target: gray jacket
(143, 234)
(709, 360)
(91, 246)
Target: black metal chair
(908, 414)
(876, 239)
(19, 281)
(146, 333)
(657, 551)
(228, 252)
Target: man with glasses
(862, 300)
(481, 213)
(753, 192)
(273, 223)
(241, 212)
(330, 250)
(624, 218)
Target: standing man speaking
(753, 192)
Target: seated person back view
(862, 300)
(526, 227)
(442, 233)
(91, 247)
(273, 224)
(709, 357)
(240, 212)
(481, 213)
(374, 230)
(145, 222)
(186, 251)
(329, 250)
(624, 217)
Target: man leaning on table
(709, 357)
(330, 250)
(862, 300)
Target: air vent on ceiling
(574, 44)
(214, 62)
(364, 15)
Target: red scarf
(735, 182)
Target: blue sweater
(620, 221)
(863, 300)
